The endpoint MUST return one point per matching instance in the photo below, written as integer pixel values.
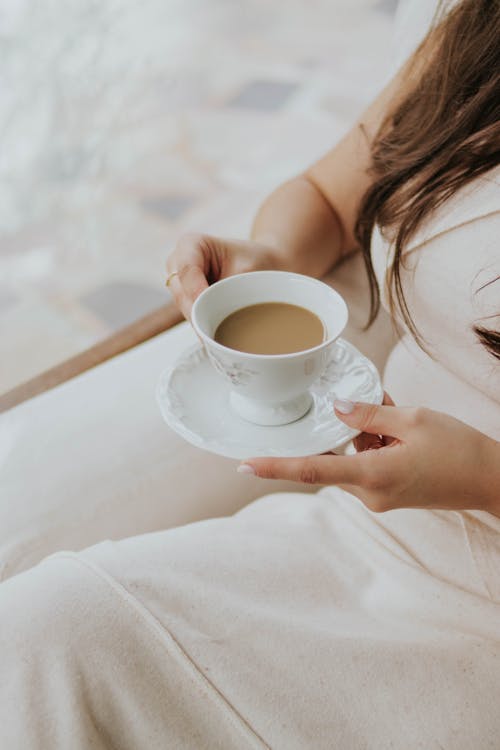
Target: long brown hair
(443, 134)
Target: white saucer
(194, 401)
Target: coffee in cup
(271, 328)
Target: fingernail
(343, 405)
(245, 469)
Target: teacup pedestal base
(270, 414)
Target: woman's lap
(305, 618)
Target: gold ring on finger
(170, 277)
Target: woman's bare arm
(309, 220)
(306, 225)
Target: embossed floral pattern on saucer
(194, 401)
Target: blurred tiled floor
(124, 124)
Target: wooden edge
(141, 330)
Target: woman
(311, 621)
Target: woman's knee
(44, 609)
(45, 623)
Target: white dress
(303, 621)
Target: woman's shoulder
(452, 262)
(477, 200)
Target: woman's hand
(407, 458)
(199, 260)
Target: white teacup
(269, 389)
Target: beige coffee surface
(271, 328)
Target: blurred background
(124, 123)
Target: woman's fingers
(187, 270)
(187, 284)
(366, 441)
(325, 469)
(200, 259)
(194, 282)
(374, 419)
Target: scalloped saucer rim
(210, 424)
